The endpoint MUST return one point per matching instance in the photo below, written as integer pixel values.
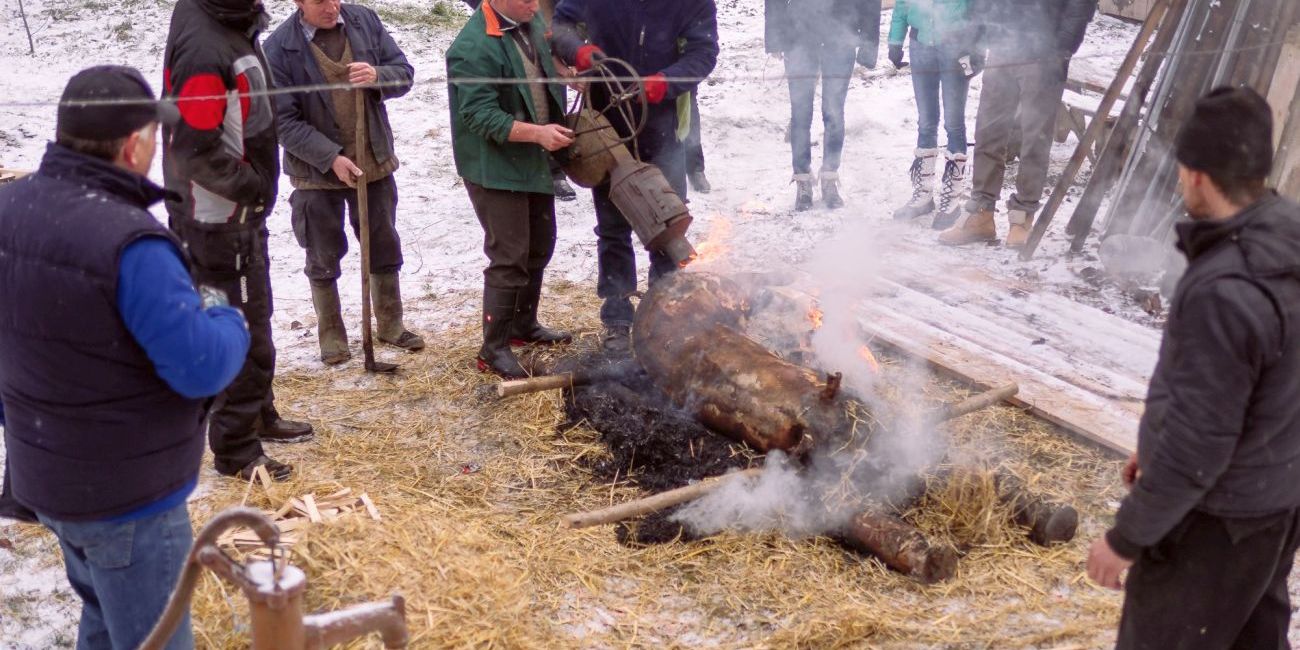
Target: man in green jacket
(501, 133)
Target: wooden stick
(655, 503)
(363, 212)
(983, 400)
(1095, 129)
(538, 384)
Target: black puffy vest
(91, 430)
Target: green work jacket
(482, 114)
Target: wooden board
(1131, 9)
(1286, 83)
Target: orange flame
(716, 242)
(815, 317)
(867, 356)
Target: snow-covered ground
(744, 110)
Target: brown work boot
(331, 333)
(1018, 233)
(387, 295)
(275, 469)
(971, 228)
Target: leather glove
(896, 56)
(867, 55)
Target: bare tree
(31, 45)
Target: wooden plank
(1285, 85)
(370, 506)
(313, 514)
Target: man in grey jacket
(1212, 520)
(326, 42)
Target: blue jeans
(124, 573)
(935, 71)
(803, 63)
(615, 254)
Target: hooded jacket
(1027, 29)
(221, 159)
(1221, 430)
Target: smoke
(880, 459)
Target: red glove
(586, 53)
(656, 88)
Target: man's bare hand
(553, 137)
(1105, 566)
(1131, 472)
(346, 170)
(362, 74)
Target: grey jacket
(307, 127)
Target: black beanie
(1229, 134)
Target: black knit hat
(1229, 134)
(107, 102)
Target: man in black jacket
(326, 42)
(1030, 43)
(1211, 524)
(673, 44)
(221, 163)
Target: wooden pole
(977, 402)
(656, 502)
(1095, 129)
(363, 212)
(1111, 162)
(31, 45)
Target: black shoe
(803, 196)
(496, 356)
(563, 191)
(526, 330)
(700, 182)
(617, 340)
(280, 430)
(275, 469)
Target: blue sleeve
(565, 39)
(196, 351)
(700, 54)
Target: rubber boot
(331, 333)
(496, 356)
(386, 293)
(803, 194)
(700, 182)
(563, 191)
(831, 190)
(526, 330)
(971, 228)
(921, 174)
(950, 198)
(1018, 233)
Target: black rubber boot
(496, 356)
(526, 330)
(563, 191)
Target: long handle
(654, 503)
(363, 212)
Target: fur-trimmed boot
(922, 175)
(950, 191)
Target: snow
(748, 215)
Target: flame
(815, 317)
(716, 243)
(867, 356)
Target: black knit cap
(107, 102)
(1229, 134)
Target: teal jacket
(936, 22)
(482, 114)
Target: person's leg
(994, 126)
(317, 217)
(925, 87)
(504, 216)
(661, 148)
(91, 631)
(541, 246)
(134, 566)
(694, 144)
(615, 261)
(952, 88)
(1041, 88)
(1270, 622)
(1218, 584)
(801, 77)
(385, 262)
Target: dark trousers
(234, 259)
(938, 81)
(318, 225)
(615, 255)
(694, 144)
(1022, 96)
(1213, 584)
(124, 572)
(803, 63)
(518, 234)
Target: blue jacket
(105, 348)
(305, 121)
(678, 38)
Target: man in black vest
(221, 163)
(107, 356)
(327, 42)
(1211, 523)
